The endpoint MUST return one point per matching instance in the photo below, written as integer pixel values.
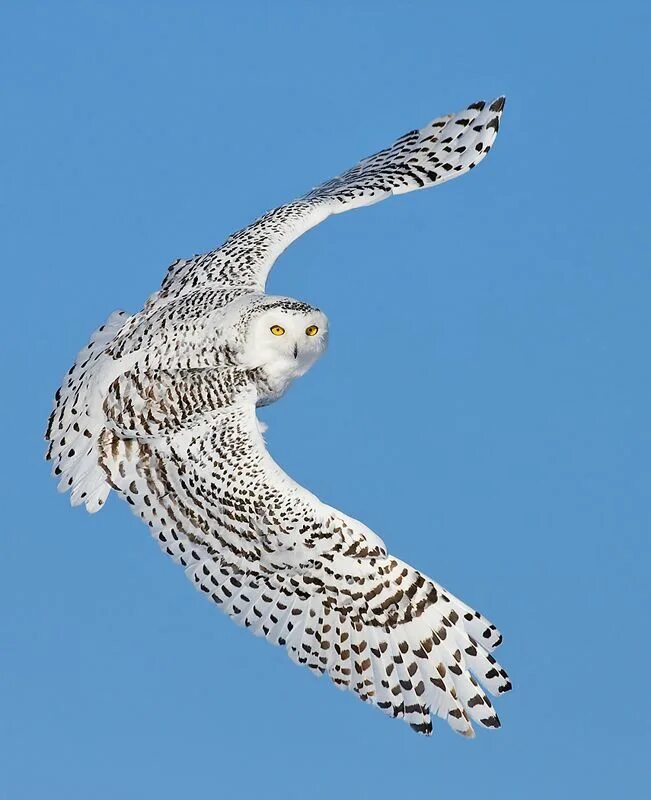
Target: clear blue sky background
(507, 454)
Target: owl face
(285, 337)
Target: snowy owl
(160, 407)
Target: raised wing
(444, 149)
(290, 568)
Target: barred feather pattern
(160, 407)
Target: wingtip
(497, 105)
(424, 728)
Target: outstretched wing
(289, 567)
(443, 149)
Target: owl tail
(77, 420)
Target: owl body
(237, 334)
(160, 408)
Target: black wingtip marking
(494, 123)
(479, 105)
(498, 105)
(423, 727)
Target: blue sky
(484, 404)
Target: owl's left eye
(311, 330)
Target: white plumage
(160, 406)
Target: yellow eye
(277, 330)
(311, 330)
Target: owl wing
(292, 569)
(444, 149)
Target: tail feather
(77, 420)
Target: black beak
(295, 351)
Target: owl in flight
(160, 407)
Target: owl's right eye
(277, 330)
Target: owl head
(283, 336)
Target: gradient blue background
(484, 404)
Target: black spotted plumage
(160, 407)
